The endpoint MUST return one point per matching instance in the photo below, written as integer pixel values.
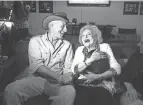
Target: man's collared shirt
(42, 52)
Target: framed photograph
(131, 8)
(141, 8)
(2, 4)
(46, 6)
(32, 5)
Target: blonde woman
(95, 86)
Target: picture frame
(45, 6)
(141, 8)
(32, 5)
(2, 4)
(131, 8)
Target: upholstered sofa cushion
(127, 31)
(22, 60)
(126, 37)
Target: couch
(20, 61)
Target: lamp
(74, 20)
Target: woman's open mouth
(87, 40)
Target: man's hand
(133, 94)
(66, 78)
(131, 91)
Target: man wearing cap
(50, 58)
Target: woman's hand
(96, 56)
(90, 77)
(103, 55)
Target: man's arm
(36, 61)
(46, 72)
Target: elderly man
(132, 76)
(50, 58)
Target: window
(88, 2)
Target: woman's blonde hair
(96, 33)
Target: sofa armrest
(7, 72)
(8, 63)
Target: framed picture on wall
(1, 3)
(141, 8)
(131, 8)
(46, 6)
(32, 5)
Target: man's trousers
(18, 92)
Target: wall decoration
(2, 4)
(131, 8)
(46, 6)
(141, 8)
(32, 5)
